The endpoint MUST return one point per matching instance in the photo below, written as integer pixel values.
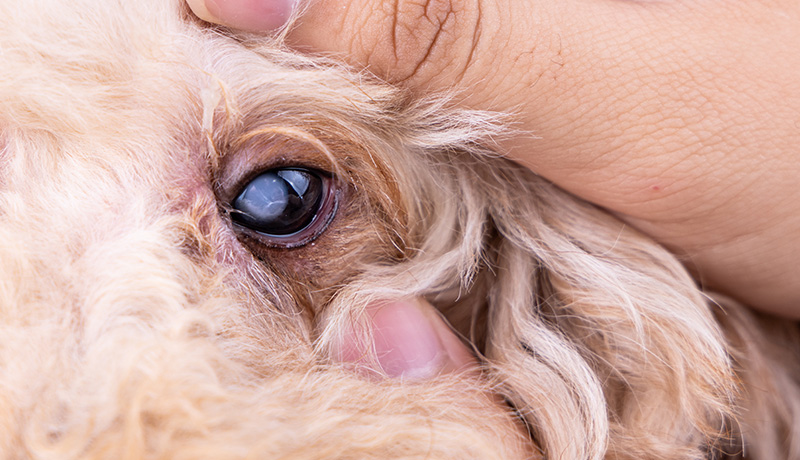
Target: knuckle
(422, 40)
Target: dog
(151, 307)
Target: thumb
(251, 15)
(426, 45)
(409, 340)
(419, 43)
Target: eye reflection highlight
(280, 202)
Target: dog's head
(152, 306)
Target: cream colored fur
(135, 324)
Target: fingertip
(258, 16)
(410, 341)
(200, 10)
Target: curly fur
(136, 323)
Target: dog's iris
(280, 202)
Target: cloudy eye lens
(280, 202)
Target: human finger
(409, 340)
(251, 15)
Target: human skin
(683, 118)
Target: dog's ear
(599, 335)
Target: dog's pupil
(279, 202)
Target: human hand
(410, 340)
(681, 118)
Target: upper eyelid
(245, 160)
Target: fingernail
(251, 15)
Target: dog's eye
(287, 207)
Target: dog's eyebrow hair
(210, 98)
